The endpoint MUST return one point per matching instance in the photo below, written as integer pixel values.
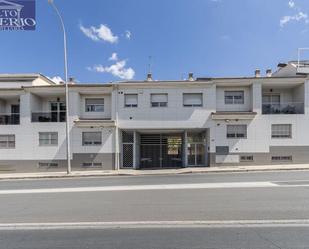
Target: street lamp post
(51, 2)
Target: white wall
(221, 106)
(175, 115)
(108, 136)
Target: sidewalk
(131, 172)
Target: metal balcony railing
(283, 108)
(9, 118)
(48, 116)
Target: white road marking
(155, 224)
(142, 187)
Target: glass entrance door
(57, 110)
(196, 149)
(15, 109)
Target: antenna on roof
(149, 63)
(302, 65)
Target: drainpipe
(185, 156)
(117, 131)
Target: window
(158, 100)
(48, 138)
(130, 100)
(222, 150)
(91, 164)
(234, 97)
(94, 105)
(7, 141)
(271, 99)
(47, 165)
(282, 158)
(246, 158)
(236, 131)
(92, 138)
(281, 131)
(192, 99)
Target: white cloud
(114, 57)
(297, 17)
(300, 16)
(103, 32)
(118, 69)
(128, 34)
(291, 4)
(57, 79)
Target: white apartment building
(155, 124)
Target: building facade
(155, 124)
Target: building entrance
(161, 151)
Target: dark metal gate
(160, 150)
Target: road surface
(230, 210)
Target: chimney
(257, 73)
(149, 77)
(190, 78)
(71, 80)
(268, 72)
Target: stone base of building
(277, 155)
(80, 161)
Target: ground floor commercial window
(196, 148)
(48, 138)
(92, 138)
(7, 141)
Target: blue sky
(208, 37)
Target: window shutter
(192, 99)
(131, 99)
(94, 101)
(158, 97)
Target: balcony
(283, 108)
(9, 118)
(58, 116)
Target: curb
(145, 173)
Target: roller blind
(162, 97)
(94, 101)
(92, 138)
(130, 99)
(192, 99)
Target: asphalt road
(159, 238)
(261, 198)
